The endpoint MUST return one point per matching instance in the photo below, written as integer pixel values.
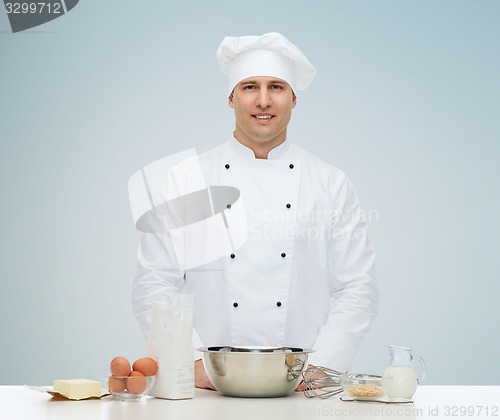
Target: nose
(263, 99)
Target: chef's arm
(353, 289)
(157, 272)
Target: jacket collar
(279, 152)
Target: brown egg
(146, 365)
(116, 384)
(120, 366)
(136, 383)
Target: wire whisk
(321, 382)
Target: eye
(276, 87)
(248, 87)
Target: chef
(304, 277)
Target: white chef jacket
(305, 275)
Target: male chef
(304, 277)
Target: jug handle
(421, 362)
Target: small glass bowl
(132, 388)
(362, 385)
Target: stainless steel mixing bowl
(256, 372)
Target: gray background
(406, 101)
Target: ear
(230, 101)
(294, 100)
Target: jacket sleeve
(157, 272)
(353, 289)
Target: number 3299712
(18, 8)
(470, 411)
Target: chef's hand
(200, 376)
(309, 375)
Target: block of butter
(77, 389)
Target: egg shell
(136, 383)
(145, 365)
(117, 384)
(120, 366)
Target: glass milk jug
(400, 377)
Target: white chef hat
(268, 55)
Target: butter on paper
(57, 396)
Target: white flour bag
(170, 344)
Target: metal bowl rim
(255, 350)
(362, 376)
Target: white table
(434, 402)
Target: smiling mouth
(263, 117)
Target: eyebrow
(271, 82)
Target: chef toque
(268, 55)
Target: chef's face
(263, 108)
